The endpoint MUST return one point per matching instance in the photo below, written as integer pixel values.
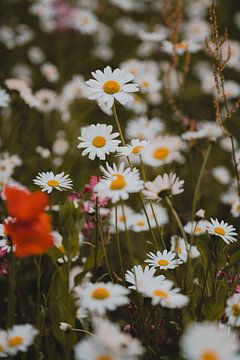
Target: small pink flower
(237, 289)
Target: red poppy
(31, 226)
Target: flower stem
(105, 252)
(11, 302)
(130, 165)
(129, 245)
(118, 243)
(176, 217)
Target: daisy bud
(65, 326)
(200, 214)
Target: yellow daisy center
(100, 293)
(104, 357)
(181, 45)
(62, 249)
(111, 87)
(53, 183)
(137, 149)
(118, 183)
(15, 341)
(161, 153)
(99, 141)
(1, 349)
(141, 223)
(163, 262)
(122, 218)
(236, 309)
(198, 229)
(85, 21)
(160, 293)
(178, 249)
(146, 84)
(220, 231)
(209, 355)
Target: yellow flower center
(160, 293)
(181, 45)
(163, 262)
(161, 153)
(118, 182)
(100, 293)
(178, 249)
(137, 149)
(236, 309)
(198, 229)
(15, 341)
(99, 141)
(210, 355)
(218, 230)
(53, 183)
(111, 87)
(85, 21)
(146, 84)
(141, 223)
(62, 249)
(1, 349)
(104, 357)
(122, 218)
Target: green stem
(178, 221)
(129, 162)
(96, 240)
(200, 177)
(118, 244)
(159, 227)
(12, 300)
(129, 245)
(105, 252)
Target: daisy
(109, 85)
(100, 297)
(163, 293)
(118, 182)
(159, 212)
(47, 100)
(163, 150)
(181, 47)
(143, 128)
(207, 341)
(178, 245)
(4, 98)
(138, 105)
(58, 241)
(165, 260)
(137, 147)
(195, 228)
(221, 174)
(235, 208)
(123, 218)
(3, 343)
(163, 185)
(140, 278)
(139, 223)
(148, 83)
(50, 72)
(20, 337)
(233, 310)
(108, 343)
(221, 229)
(48, 181)
(84, 21)
(98, 141)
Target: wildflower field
(120, 179)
